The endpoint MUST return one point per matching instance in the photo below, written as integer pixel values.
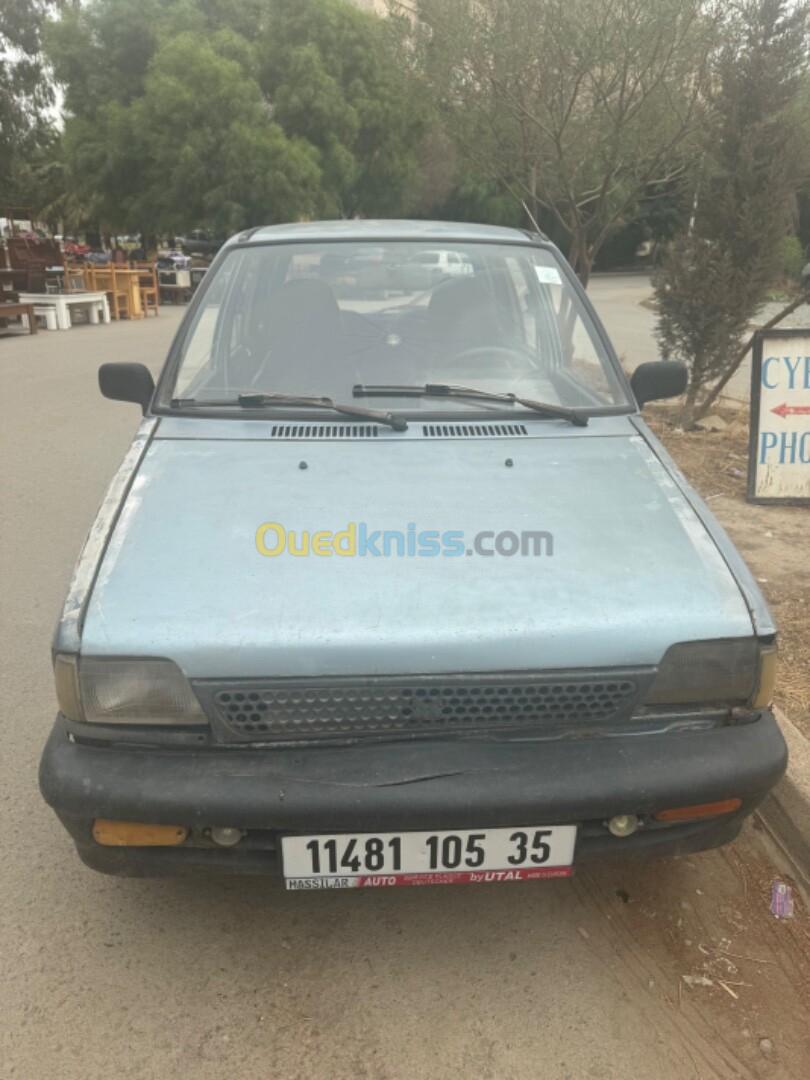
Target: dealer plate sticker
(374, 860)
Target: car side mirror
(658, 379)
(127, 382)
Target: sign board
(779, 450)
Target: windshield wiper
(254, 401)
(558, 412)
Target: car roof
(371, 231)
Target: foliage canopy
(579, 107)
(753, 156)
(225, 113)
(25, 92)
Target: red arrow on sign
(790, 410)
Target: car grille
(288, 710)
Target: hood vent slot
(472, 431)
(452, 430)
(324, 431)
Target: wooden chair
(103, 279)
(75, 279)
(148, 284)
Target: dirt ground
(699, 936)
(774, 540)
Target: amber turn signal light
(700, 810)
(137, 834)
(767, 678)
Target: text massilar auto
(396, 587)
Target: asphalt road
(623, 302)
(232, 979)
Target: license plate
(462, 857)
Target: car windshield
(318, 319)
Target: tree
(334, 77)
(231, 112)
(579, 107)
(803, 196)
(166, 125)
(25, 91)
(752, 160)
(210, 150)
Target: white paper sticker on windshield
(548, 275)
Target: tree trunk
(581, 256)
(686, 416)
(584, 268)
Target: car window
(317, 319)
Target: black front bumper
(395, 787)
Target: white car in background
(447, 263)
(428, 268)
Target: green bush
(793, 258)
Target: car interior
(313, 322)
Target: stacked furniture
(10, 305)
(36, 259)
(122, 286)
(148, 285)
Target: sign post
(779, 447)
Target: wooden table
(95, 303)
(12, 310)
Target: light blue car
(398, 588)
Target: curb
(785, 812)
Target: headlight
(101, 691)
(737, 671)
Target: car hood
(633, 568)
